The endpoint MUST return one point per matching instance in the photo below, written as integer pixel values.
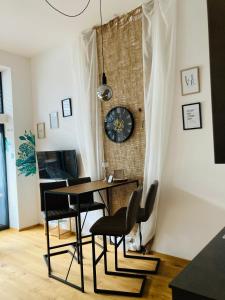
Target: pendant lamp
(104, 91)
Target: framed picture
(54, 120)
(66, 107)
(118, 174)
(190, 83)
(41, 130)
(192, 118)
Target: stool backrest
(150, 200)
(54, 202)
(85, 198)
(132, 209)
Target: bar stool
(87, 204)
(117, 227)
(56, 207)
(143, 215)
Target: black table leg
(77, 235)
(47, 236)
(80, 245)
(108, 201)
(109, 209)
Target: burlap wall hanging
(124, 68)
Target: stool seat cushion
(120, 223)
(84, 207)
(60, 214)
(110, 225)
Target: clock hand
(109, 121)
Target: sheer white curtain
(159, 52)
(159, 45)
(87, 111)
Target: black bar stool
(56, 207)
(143, 215)
(117, 227)
(87, 204)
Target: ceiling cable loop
(67, 15)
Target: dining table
(77, 191)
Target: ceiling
(28, 27)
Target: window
(4, 214)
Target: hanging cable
(103, 60)
(104, 91)
(67, 15)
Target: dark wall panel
(216, 18)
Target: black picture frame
(66, 107)
(192, 116)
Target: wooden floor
(23, 273)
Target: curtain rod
(133, 13)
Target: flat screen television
(57, 164)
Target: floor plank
(23, 273)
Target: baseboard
(29, 227)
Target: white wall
(192, 206)
(18, 104)
(52, 81)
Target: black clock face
(119, 124)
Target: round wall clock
(119, 124)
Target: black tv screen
(57, 164)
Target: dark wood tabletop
(204, 277)
(92, 186)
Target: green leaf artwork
(26, 162)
